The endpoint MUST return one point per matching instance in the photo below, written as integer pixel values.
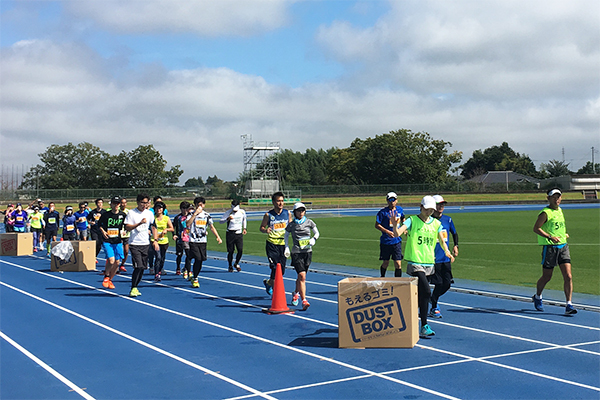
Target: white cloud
(204, 17)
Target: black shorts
(49, 233)
(69, 236)
(181, 247)
(125, 240)
(276, 255)
(198, 251)
(553, 256)
(442, 274)
(390, 250)
(234, 241)
(139, 255)
(36, 230)
(301, 261)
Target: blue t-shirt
(447, 230)
(383, 219)
(81, 218)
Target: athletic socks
(398, 273)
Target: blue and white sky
(191, 77)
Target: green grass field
(497, 247)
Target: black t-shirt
(112, 224)
(95, 215)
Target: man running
(52, 221)
(124, 236)
(93, 218)
(273, 224)
(552, 235)
(139, 221)
(81, 225)
(182, 239)
(442, 277)
(235, 218)
(389, 245)
(196, 226)
(110, 226)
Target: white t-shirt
(238, 223)
(139, 236)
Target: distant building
(504, 177)
(583, 183)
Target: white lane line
(213, 324)
(48, 368)
(468, 358)
(149, 346)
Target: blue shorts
(113, 250)
(390, 250)
(19, 229)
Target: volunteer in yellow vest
(423, 233)
(163, 225)
(36, 220)
(552, 235)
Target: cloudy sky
(191, 77)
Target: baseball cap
(115, 199)
(69, 208)
(299, 205)
(439, 199)
(428, 202)
(554, 191)
(390, 196)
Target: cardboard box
(378, 312)
(82, 259)
(16, 244)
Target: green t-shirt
(421, 239)
(161, 227)
(554, 226)
(36, 220)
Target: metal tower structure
(261, 168)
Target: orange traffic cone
(278, 301)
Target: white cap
(391, 195)
(439, 199)
(428, 202)
(299, 205)
(553, 192)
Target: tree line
(400, 156)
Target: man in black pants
(139, 221)
(93, 219)
(235, 218)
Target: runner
(235, 218)
(69, 221)
(36, 220)
(301, 252)
(110, 226)
(389, 245)
(182, 239)
(273, 224)
(422, 232)
(19, 219)
(196, 226)
(52, 221)
(139, 221)
(442, 277)
(552, 235)
(81, 226)
(8, 221)
(163, 226)
(124, 237)
(93, 218)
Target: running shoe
(49, 256)
(195, 283)
(185, 274)
(305, 305)
(295, 298)
(157, 278)
(134, 292)
(230, 269)
(268, 287)
(35, 250)
(537, 303)
(105, 281)
(426, 331)
(111, 285)
(122, 268)
(570, 309)
(190, 276)
(435, 313)
(237, 267)
(178, 271)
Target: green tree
(555, 168)
(194, 182)
(70, 166)
(400, 156)
(589, 169)
(144, 167)
(498, 158)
